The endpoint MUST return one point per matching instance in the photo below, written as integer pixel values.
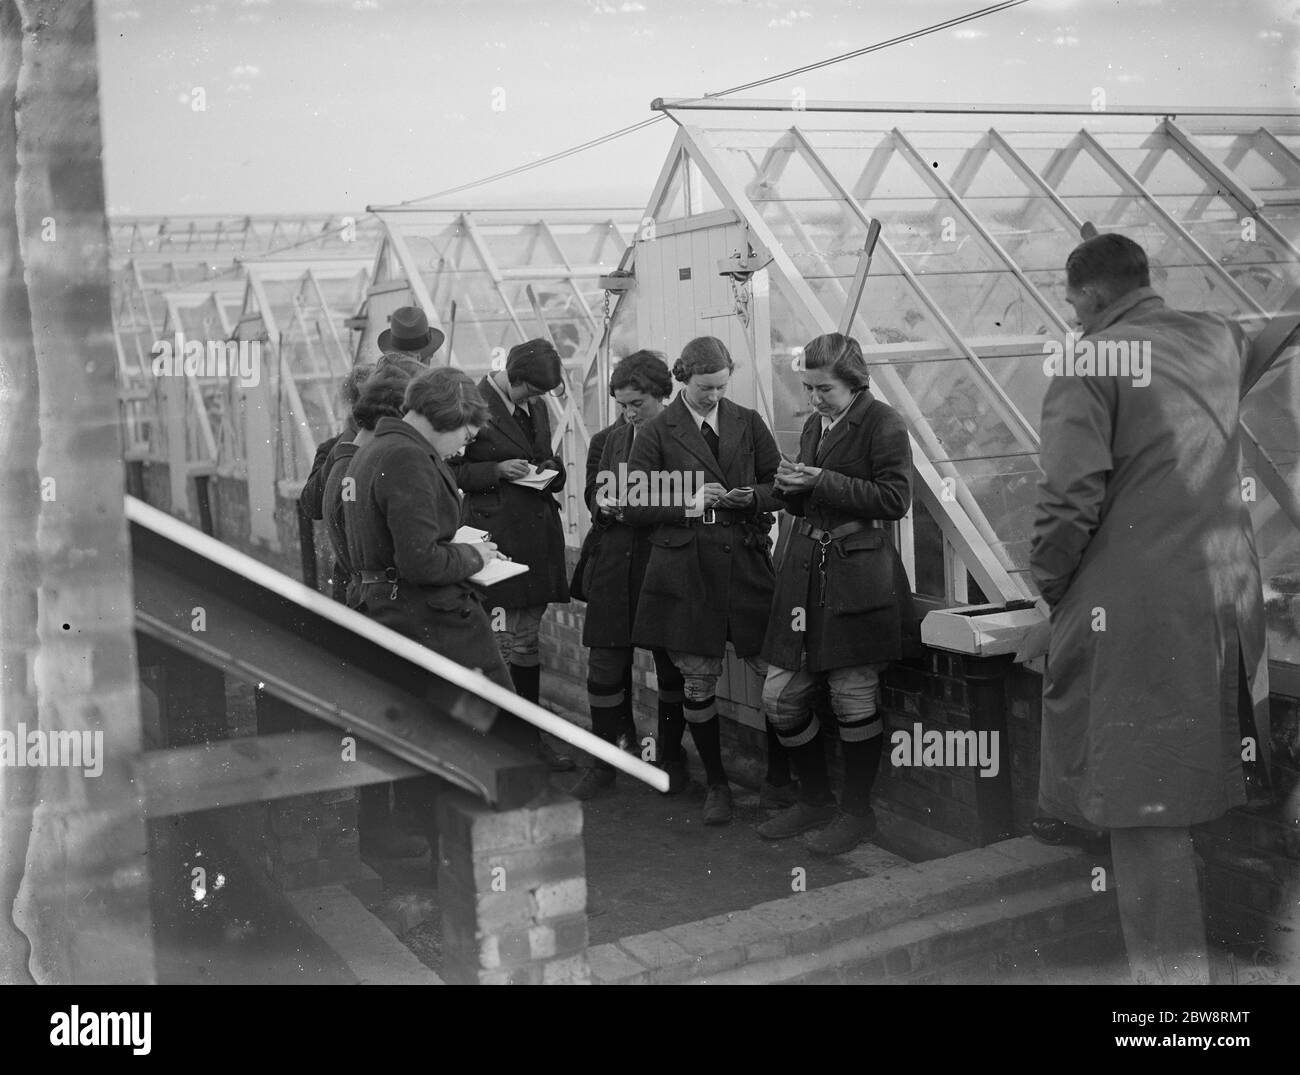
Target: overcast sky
(330, 105)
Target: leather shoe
(717, 805)
(799, 818)
(778, 796)
(592, 782)
(1054, 831)
(843, 834)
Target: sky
(333, 105)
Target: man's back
(1144, 547)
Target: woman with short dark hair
(843, 605)
(400, 524)
(525, 521)
(709, 579)
(612, 577)
(381, 396)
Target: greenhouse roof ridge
(717, 104)
(485, 210)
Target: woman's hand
(487, 552)
(608, 506)
(511, 469)
(710, 493)
(796, 477)
(737, 499)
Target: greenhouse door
(681, 295)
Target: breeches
(788, 697)
(609, 664)
(517, 638)
(700, 675)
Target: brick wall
(514, 892)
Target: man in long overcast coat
(1143, 548)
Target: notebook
(497, 570)
(535, 479)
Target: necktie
(525, 420)
(819, 450)
(710, 438)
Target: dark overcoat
(406, 511)
(311, 499)
(705, 583)
(524, 523)
(868, 616)
(616, 568)
(336, 471)
(1144, 549)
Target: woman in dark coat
(708, 465)
(843, 606)
(612, 580)
(382, 395)
(311, 499)
(524, 522)
(411, 576)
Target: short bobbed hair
(536, 363)
(644, 371)
(350, 390)
(704, 354)
(447, 399)
(840, 356)
(381, 396)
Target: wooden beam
(259, 768)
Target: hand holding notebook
(497, 569)
(535, 479)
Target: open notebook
(496, 571)
(535, 479)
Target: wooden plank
(230, 772)
(358, 938)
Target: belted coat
(407, 509)
(705, 584)
(864, 613)
(524, 523)
(1144, 549)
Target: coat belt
(367, 578)
(825, 537)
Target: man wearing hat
(409, 330)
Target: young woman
(398, 527)
(382, 395)
(841, 570)
(524, 521)
(612, 581)
(710, 576)
(311, 499)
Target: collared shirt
(830, 423)
(511, 405)
(700, 419)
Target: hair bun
(679, 372)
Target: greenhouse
(991, 679)
(978, 209)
